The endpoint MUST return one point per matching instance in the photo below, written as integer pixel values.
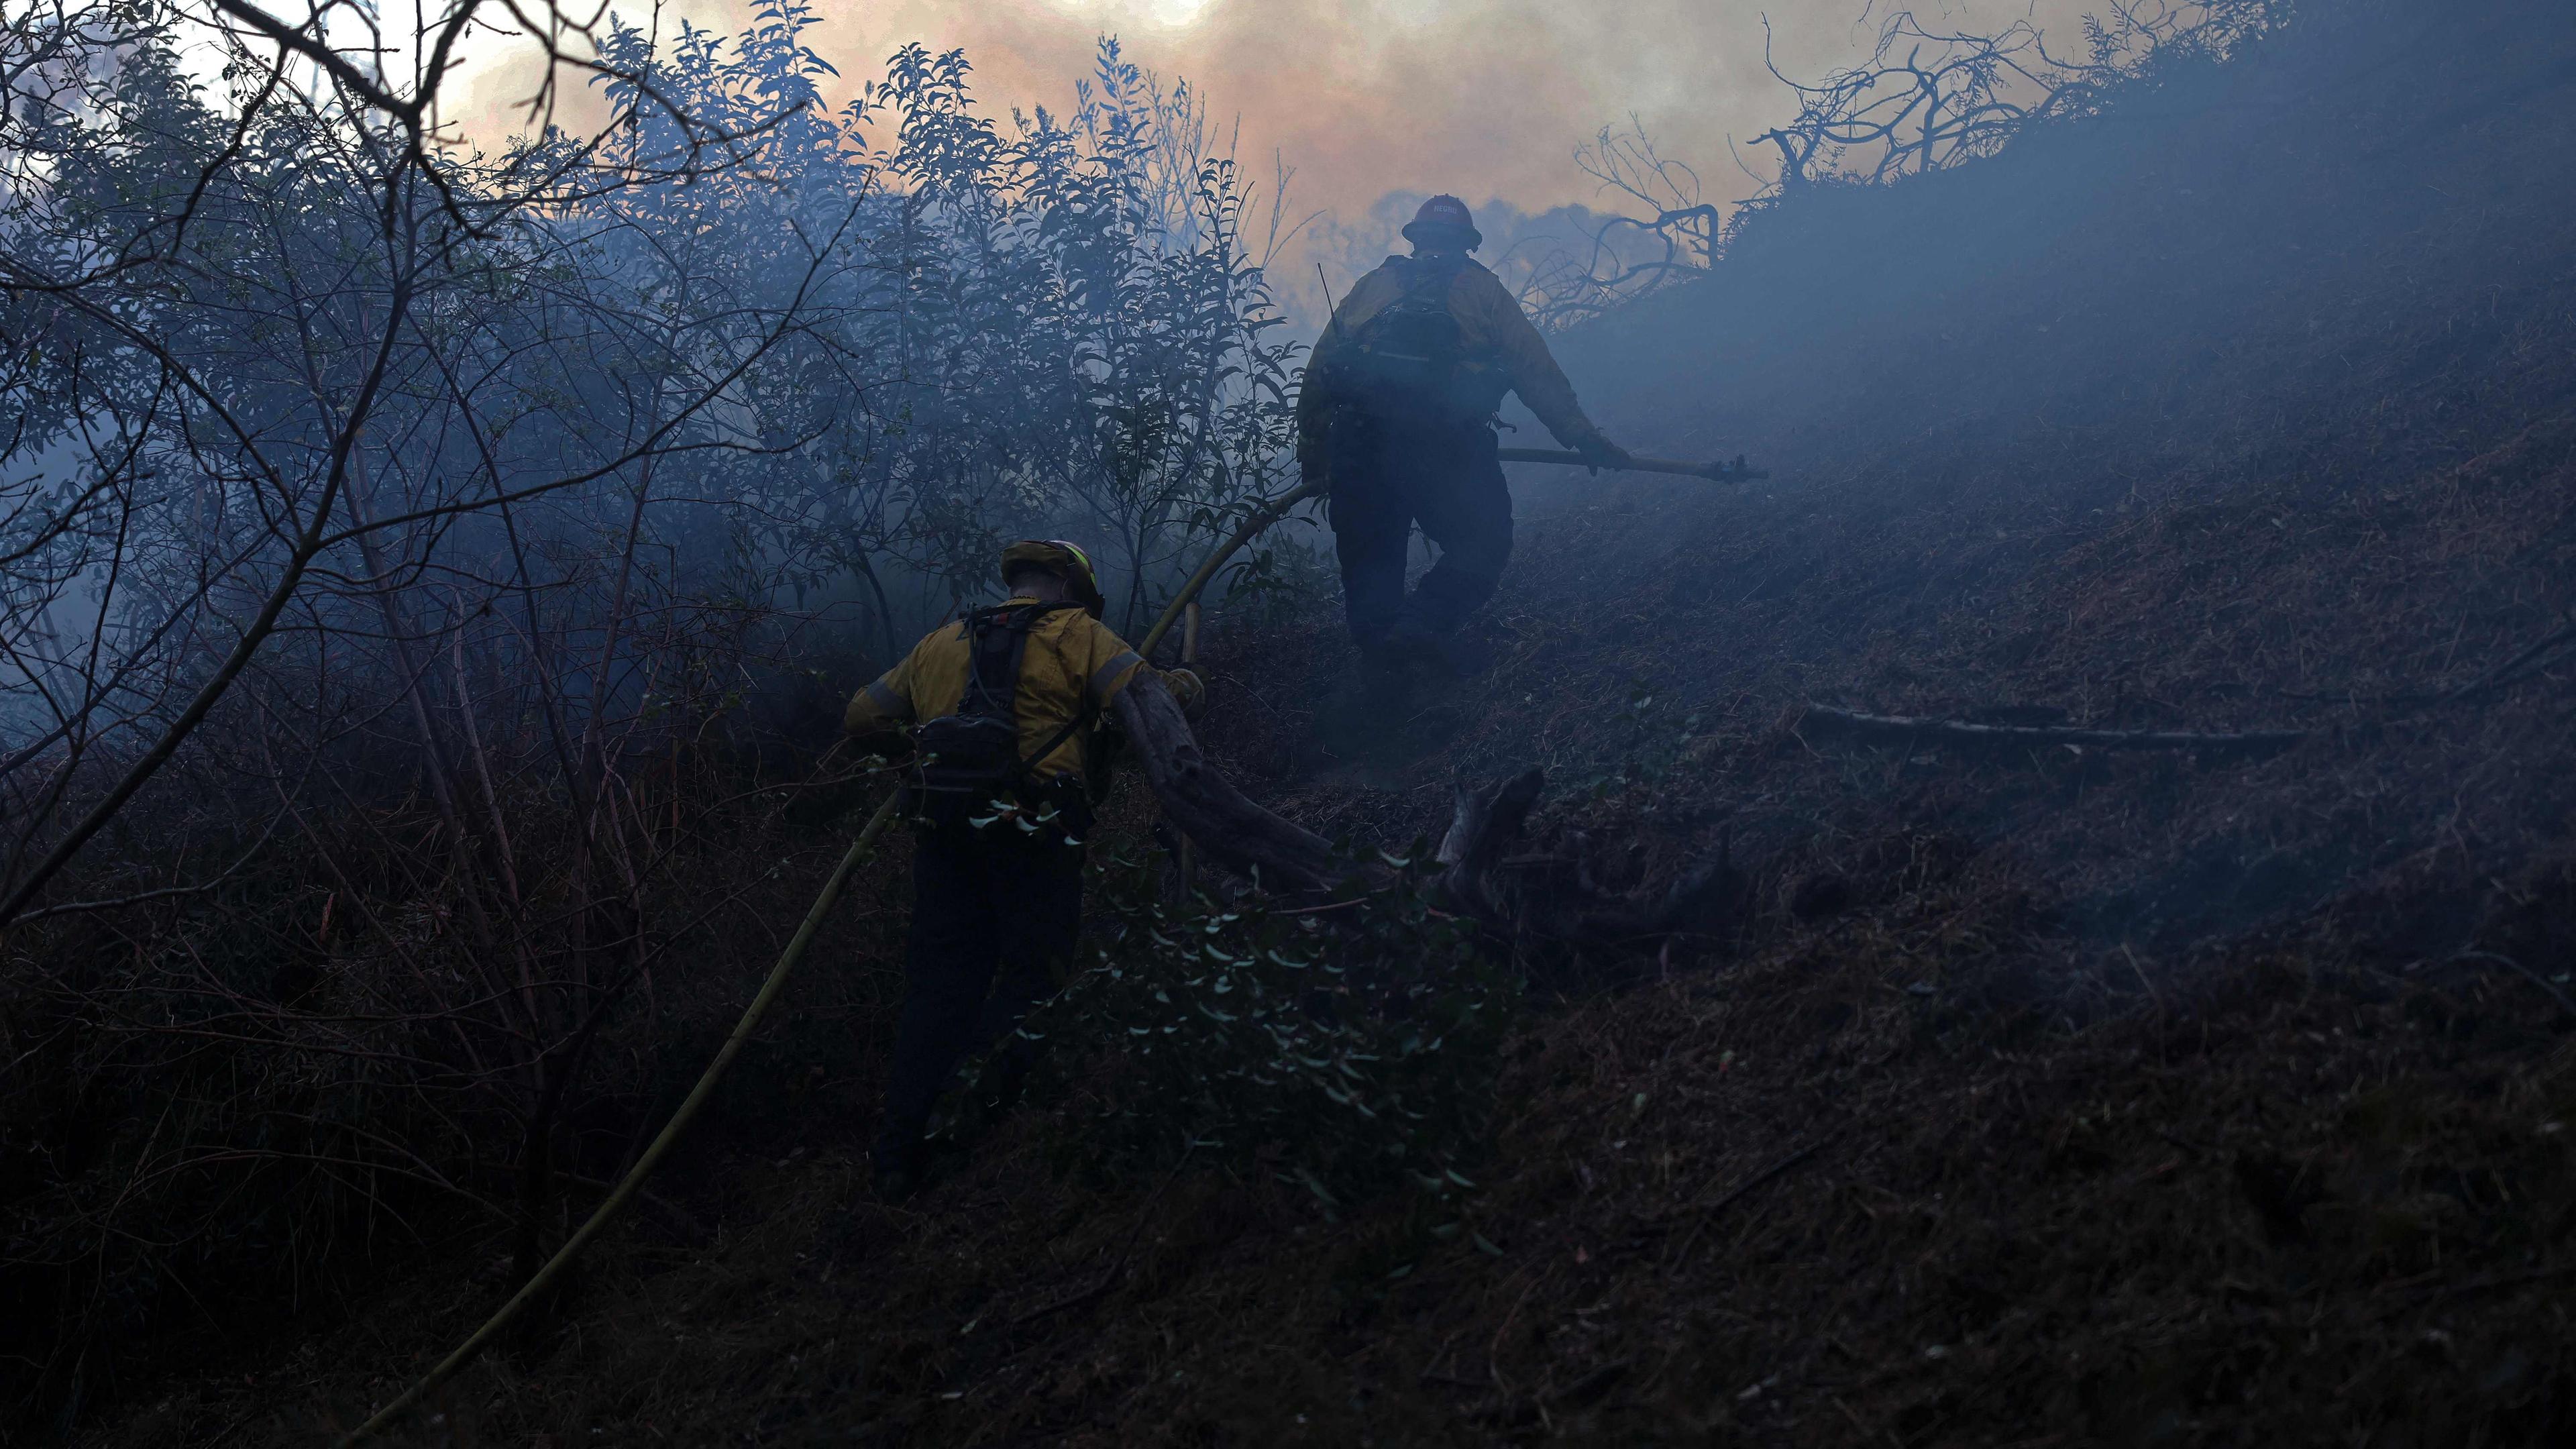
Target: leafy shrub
(412, 561)
(1349, 1049)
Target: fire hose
(1735, 472)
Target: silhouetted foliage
(1928, 97)
(401, 543)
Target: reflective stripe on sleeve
(887, 702)
(1105, 678)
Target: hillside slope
(2038, 1097)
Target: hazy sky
(1485, 98)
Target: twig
(2503, 674)
(308, 545)
(1963, 732)
(2566, 1004)
(1432, 1376)
(1575, 1395)
(676, 1215)
(165, 892)
(1728, 1198)
(235, 1426)
(1328, 906)
(2492, 1281)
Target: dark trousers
(993, 921)
(1390, 474)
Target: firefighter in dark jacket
(1004, 709)
(1398, 413)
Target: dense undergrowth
(422, 572)
(2066, 1097)
(1346, 1049)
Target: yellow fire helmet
(1064, 560)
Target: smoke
(1366, 98)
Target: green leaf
(1316, 1186)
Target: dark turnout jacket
(1499, 342)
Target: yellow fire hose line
(1260, 518)
(1185, 606)
(662, 1143)
(626, 1189)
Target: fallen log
(1502, 892)
(1825, 719)
(1230, 829)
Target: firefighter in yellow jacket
(1004, 708)
(1397, 412)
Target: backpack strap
(997, 639)
(1081, 717)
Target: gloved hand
(1599, 452)
(1188, 688)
